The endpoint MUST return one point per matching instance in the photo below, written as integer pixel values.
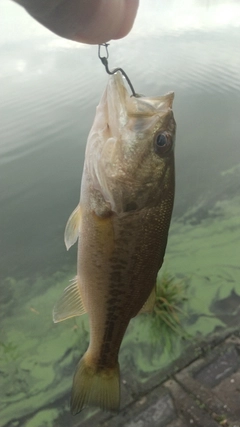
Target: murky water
(49, 90)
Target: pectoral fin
(149, 304)
(69, 304)
(72, 228)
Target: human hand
(85, 21)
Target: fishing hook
(104, 60)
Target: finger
(86, 21)
(113, 19)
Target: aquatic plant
(167, 313)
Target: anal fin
(69, 304)
(148, 306)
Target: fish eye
(162, 143)
(161, 140)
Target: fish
(121, 224)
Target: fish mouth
(117, 98)
(121, 105)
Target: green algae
(43, 418)
(38, 358)
(8, 351)
(33, 379)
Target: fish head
(129, 156)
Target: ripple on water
(200, 60)
(41, 107)
(34, 113)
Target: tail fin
(95, 388)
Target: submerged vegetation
(168, 313)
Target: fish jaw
(127, 107)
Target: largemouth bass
(121, 224)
